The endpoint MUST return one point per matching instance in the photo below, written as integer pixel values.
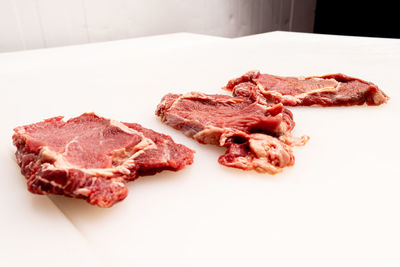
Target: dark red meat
(327, 90)
(91, 157)
(248, 129)
(223, 112)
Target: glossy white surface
(338, 206)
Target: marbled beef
(92, 158)
(327, 90)
(257, 136)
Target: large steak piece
(327, 90)
(257, 136)
(92, 158)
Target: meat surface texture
(92, 158)
(254, 134)
(327, 90)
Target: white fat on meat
(59, 162)
(269, 154)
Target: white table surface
(338, 206)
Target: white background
(29, 24)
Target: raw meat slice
(328, 90)
(91, 157)
(252, 132)
(222, 112)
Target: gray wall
(30, 24)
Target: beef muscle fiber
(257, 136)
(327, 90)
(92, 158)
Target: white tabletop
(338, 206)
